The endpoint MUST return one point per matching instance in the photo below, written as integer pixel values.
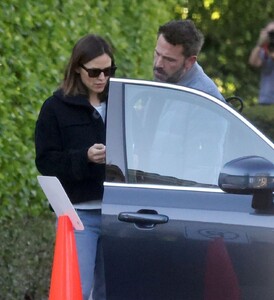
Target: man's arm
(255, 58)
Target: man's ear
(189, 62)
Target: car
(187, 210)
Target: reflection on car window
(181, 138)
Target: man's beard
(174, 78)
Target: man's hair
(183, 32)
(86, 49)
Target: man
(262, 56)
(175, 57)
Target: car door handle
(142, 218)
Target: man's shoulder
(199, 80)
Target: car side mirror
(249, 175)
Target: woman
(70, 144)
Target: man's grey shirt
(197, 79)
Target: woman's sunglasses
(110, 71)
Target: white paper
(59, 200)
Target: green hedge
(262, 116)
(26, 251)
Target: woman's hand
(97, 153)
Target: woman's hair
(86, 49)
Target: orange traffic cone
(65, 277)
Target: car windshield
(179, 137)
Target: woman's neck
(94, 100)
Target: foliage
(262, 116)
(26, 251)
(231, 30)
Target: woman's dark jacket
(65, 129)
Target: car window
(178, 137)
